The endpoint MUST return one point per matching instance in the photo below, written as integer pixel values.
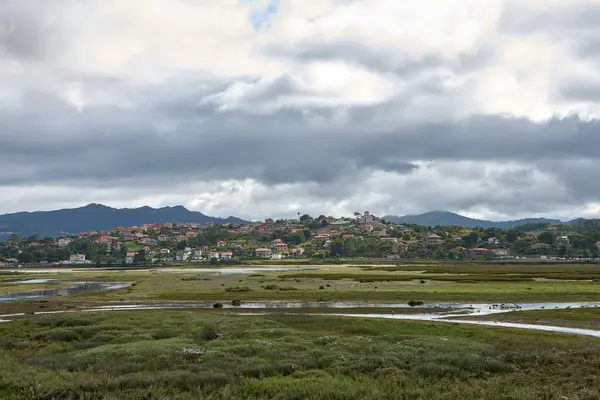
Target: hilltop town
(361, 236)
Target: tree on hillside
(471, 239)
(546, 237)
(511, 235)
(533, 226)
(561, 251)
(305, 218)
(25, 257)
(521, 246)
(308, 250)
(337, 248)
(140, 257)
(307, 234)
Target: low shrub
(59, 335)
(128, 338)
(209, 332)
(238, 289)
(163, 334)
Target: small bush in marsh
(209, 332)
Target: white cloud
(253, 109)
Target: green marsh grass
(190, 355)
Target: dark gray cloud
(579, 90)
(177, 138)
(379, 59)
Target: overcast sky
(260, 108)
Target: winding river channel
(439, 312)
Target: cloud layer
(257, 108)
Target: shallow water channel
(220, 270)
(73, 289)
(440, 312)
(447, 316)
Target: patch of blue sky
(261, 16)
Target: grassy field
(191, 355)
(133, 246)
(456, 282)
(215, 354)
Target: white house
(434, 239)
(494, 240)
(213, 254)
(184, 255)
(148, 241)
(262, 252)
(367, 218)
(562, 240)
(77, 259)
(197, 254)
(273, 245)
(226, 255)
(276, 257)
(297, 252)
(130, 257)
(63, 242)
(500, 253)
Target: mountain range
(446, 218)
(97, 217)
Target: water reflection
(439, 312)
(76, 288)
(30, 282)
(435, 309)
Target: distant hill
(97, 217)
(447, 218)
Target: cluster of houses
(155, 238)
(163, 242)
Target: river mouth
(74, 288)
